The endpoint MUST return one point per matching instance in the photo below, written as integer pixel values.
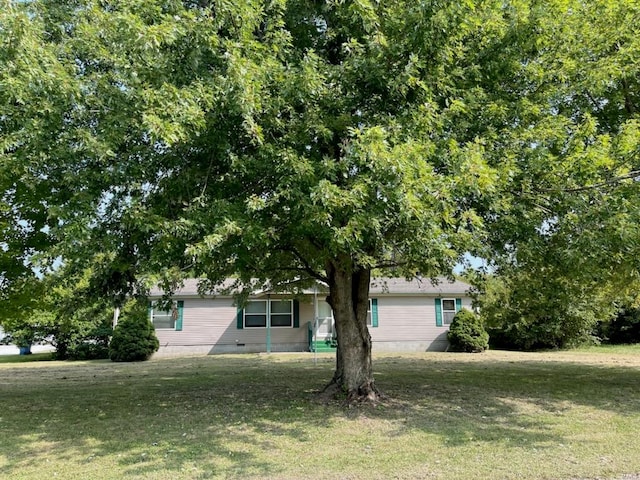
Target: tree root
(366, 394)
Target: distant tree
(63, 310)
(622, 328)
(82, 325)
(24, 316)
(535, 310)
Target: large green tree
(282, 142)
(567, 248)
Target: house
(403, 316)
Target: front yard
(499, 415)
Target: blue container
(25, 350)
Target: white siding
(212, 323)
(405, 323)
(306, 316)
(408, 323)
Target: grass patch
(34, 357)
(607, 349)
(499, 415)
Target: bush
(92, 347)
(134, 338)
(83, 337)
(467, 334)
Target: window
(163, 319)
(448, 310)
(255, 314)
(167, 319)
(279, 313)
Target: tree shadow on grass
(176, 415)
(206, 417)
(503, 401)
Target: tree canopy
(285, 141)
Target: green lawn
(499, 415)
(34, 357)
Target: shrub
(467, 334)
(93, 346)
(134, 338)
(84, 336)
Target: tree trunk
(349, 299)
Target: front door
(324, 322)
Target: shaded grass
(561, 415)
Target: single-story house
(403, 316)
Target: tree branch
(612, 181)
(306, 267)
(389, 265)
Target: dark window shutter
(374, 312)
(438, 312)
(240, 319)
(458, 304)
(296, 314)
(180, 315)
